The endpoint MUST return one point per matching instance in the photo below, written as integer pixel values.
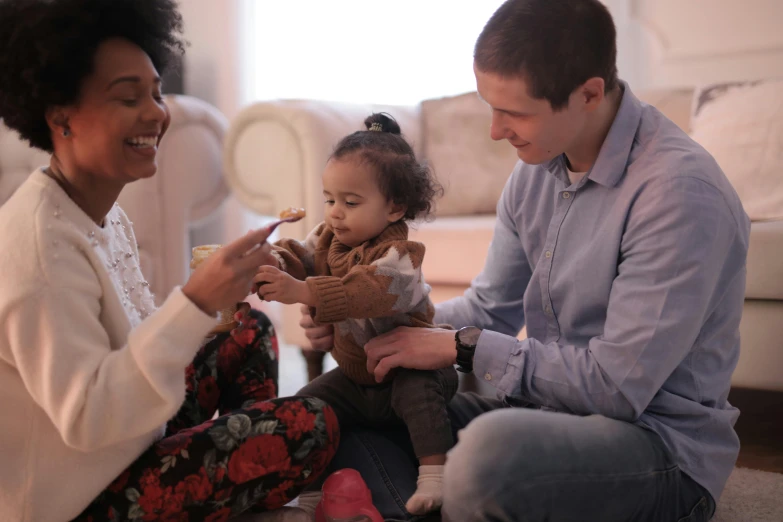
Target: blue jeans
(515, 464)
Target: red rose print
(263, 406)
(218, 516)
(150, 479)
(173, 500)
(120, 482)
(230, 357)
(292, 472)
(174, 516)
(151, 501)
(197, 487)
(296, 418)
(190, 372)
(275, 346)
(245, 335)
(220, 474)
(259, 390)
(258, 456)
(208, 393)
(223, 494)
(278, 496)
(174, 444)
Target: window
(359, 51)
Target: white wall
(213, 74)
(212, 70)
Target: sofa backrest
(472, 168)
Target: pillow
(472, 168)
(741, 125)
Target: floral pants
(258, 455)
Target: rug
(751, 496)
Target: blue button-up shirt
(631, 284)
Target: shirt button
(566, 195)
(548, 254)
(548, 309)
(487, 376)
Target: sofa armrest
(275, 152)
(765, 271)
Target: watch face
(469, 335)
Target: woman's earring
(66, 133)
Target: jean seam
(565, 478)
(382, 471)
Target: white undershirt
(574, 177)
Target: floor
(760, 429)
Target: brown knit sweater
(366, 291)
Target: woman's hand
(276, 285)
(321, 336)
(226, 277)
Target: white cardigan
(89, 371)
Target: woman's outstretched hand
(226, 277)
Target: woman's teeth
(143, 141)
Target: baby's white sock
(429, 491)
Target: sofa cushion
(472, 168)
(741, 125)
(456, 247)
(675, 104)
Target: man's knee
(497, 453)
(476, 466)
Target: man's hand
(414, 348)
(276, 285)
(321, 336)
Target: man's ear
(396, 213)
(58, 120)
(591, 93)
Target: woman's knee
(325, 433)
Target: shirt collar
(610, 165)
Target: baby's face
(354, 207)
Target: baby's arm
(390, 285)
(296, 257)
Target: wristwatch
(466, 339)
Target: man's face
(529, 124)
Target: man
(621, 246)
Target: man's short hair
(554, 45)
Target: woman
(92, 423)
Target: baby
(359, 271)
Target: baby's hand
(276, 285)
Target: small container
(226, 321)
(346, 498)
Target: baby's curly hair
(47, 49)
(401, 177)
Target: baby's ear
(396, 212)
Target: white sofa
(275, 152)
(180, 206)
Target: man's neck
(95, 196)
(586, 151)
